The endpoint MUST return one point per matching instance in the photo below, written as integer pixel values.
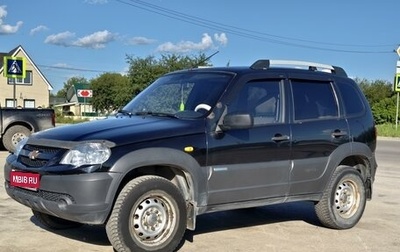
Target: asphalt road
(285, 227)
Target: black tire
(343, 201)
(13, 135)
(53, 222)
(149, 215)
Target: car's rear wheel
(149, 215)
(54, 222)
(344, 199)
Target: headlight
(87, 154)
(20, 145)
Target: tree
(376, 90)
(70, 82)
(381, 98)
(384, 111)
(143, 71)
(110, 92)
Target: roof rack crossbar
(313, 66)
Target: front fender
(195, 175)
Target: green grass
(388, 130)
(69, 120)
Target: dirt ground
(285, 227)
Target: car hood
(125, 130)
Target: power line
(73, 69)
(266, 37)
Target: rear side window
(351, 97)
(313, 100)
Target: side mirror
(237, 121)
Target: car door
(251, 162)
(318, 128)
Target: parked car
(19, 123)
(205, 140)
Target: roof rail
(312, 66)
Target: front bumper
(84, 198)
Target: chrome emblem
(33, 154)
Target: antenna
(204, 60)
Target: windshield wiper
(152, 113)
(124, 112)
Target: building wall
(38, 90)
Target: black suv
(204, 140)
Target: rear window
(352, 100)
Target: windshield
(188, 94)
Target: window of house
(314, 100)
(29, 103)
(20, 81)
(10, 103)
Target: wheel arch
(27, 125)
(363, 160)
(178, 167)
(358, 156)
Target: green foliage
(384, 111)
(143, 71)
(388, 130)
(111, 91)
(376, 90)
(62, 119)
(381, 98)
(67, 85)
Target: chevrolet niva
(203, 140)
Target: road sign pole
(84, 106)
(397, 110)
(14, 93)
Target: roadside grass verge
(388, 130)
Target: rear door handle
(339, 133)
(280, 138)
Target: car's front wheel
(149, 215)
(344, 199)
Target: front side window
(190, 94)
(313, 100)
(261, 99)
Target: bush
(382, 99)
(384, 111)
(61, 119)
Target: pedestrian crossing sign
(14, 67)
(397, 83)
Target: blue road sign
(14, 67)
